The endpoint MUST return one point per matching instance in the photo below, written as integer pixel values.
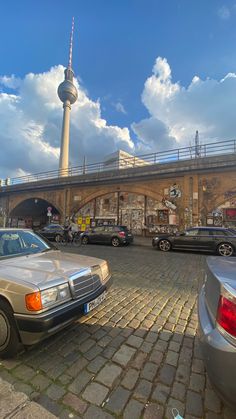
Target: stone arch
(222, 199)
(33, 212)
(133, 190)
(19, 200)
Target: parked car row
(114, 235)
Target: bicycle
(70, 239)
(76, 238)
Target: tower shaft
(65, 137)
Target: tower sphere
(67, 91)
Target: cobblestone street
(136, 355)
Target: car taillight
(121, 233)
(226, 314)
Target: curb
(14, 404)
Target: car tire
(115, 242)
(85, 240)
(225, 249)
(164, 245)
(9, 337)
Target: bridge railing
(160, 157)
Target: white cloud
(224, 12)
(31, 122)
(31, 119)
(176, 111)
(120, 108)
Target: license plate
(94, 303)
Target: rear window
(121, 228)
(124, 228)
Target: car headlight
(46, 298)
(105, 271)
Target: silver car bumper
(219, 355)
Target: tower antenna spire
(71, 43)
(197, 145)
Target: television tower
(68, 94)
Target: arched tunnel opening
(34, 213)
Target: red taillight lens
(226, 315)
(121, 233)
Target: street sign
(49, 209)
(49, 214)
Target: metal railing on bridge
(160, 157)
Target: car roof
(15, 229)
(207, 228)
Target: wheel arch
(6, 300)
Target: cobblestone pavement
(136, 355)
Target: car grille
(83, 285)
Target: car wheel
(9, 338)
(58, 238)
(225, 249)
(115, 242)
(164, 245)
(85, 240)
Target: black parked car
(52, 232)
(114, 235)
(211, 239)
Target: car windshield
(21, 242)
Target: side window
(219, 233)
(110, 229)
(193, 232)
(204, 233)
(99, 230)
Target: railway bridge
(162, 191)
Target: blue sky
(116, 45)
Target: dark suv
(52, 232)
(211, 239)
(114, 235)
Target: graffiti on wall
(175, 191)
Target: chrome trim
(228, 291)
(81, 272)
(231, 339)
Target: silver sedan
(217, 325)
(42, 290)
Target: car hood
(42, 268)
